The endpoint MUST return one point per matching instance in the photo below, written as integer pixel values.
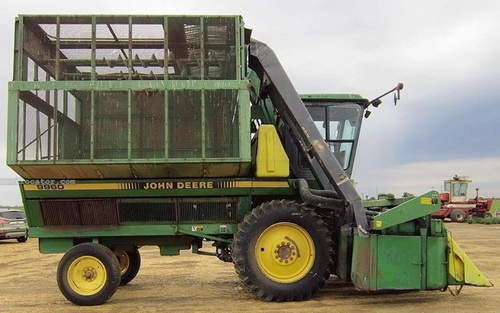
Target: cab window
(338, 125)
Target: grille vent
(85, 212)
(100, 212)
(198, 211)
(159, 211)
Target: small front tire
(88, 274)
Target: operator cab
(455, 190)
(338, 119)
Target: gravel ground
(199, 283)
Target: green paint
(396, 262)
(210, 230)
(407, 211)
(436, 262)
(55, 245)
(383, 203)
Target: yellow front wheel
(282, 251)
(88, 274)
(285, 252)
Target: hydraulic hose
(319, 198)
(371, 212)
(325, 193)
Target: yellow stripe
(262, 184)
(270, 184)
(106, 186)
(244, 184)
(130, 186)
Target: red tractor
(456, 205)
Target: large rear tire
(282, 251)
(88, 274)
(458, 216)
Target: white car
(13, 225)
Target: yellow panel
(272, 160)
(427, 201)
(461, 267)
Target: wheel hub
(285, 252)
(89, 274)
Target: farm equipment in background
(173, 130)
(455, 202)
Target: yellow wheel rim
(86, 275)
(285, 252)
(123, 259)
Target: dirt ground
(199, 283)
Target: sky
(445, 52)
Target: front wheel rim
(285, 252)
(86, 275)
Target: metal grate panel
(100, 212)
(185, 127)
(105, 97)
(147, 211)
(111, 118)
(83, 212)
(59, 213)
(222, 110)
(130, 48)
(207, 211)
